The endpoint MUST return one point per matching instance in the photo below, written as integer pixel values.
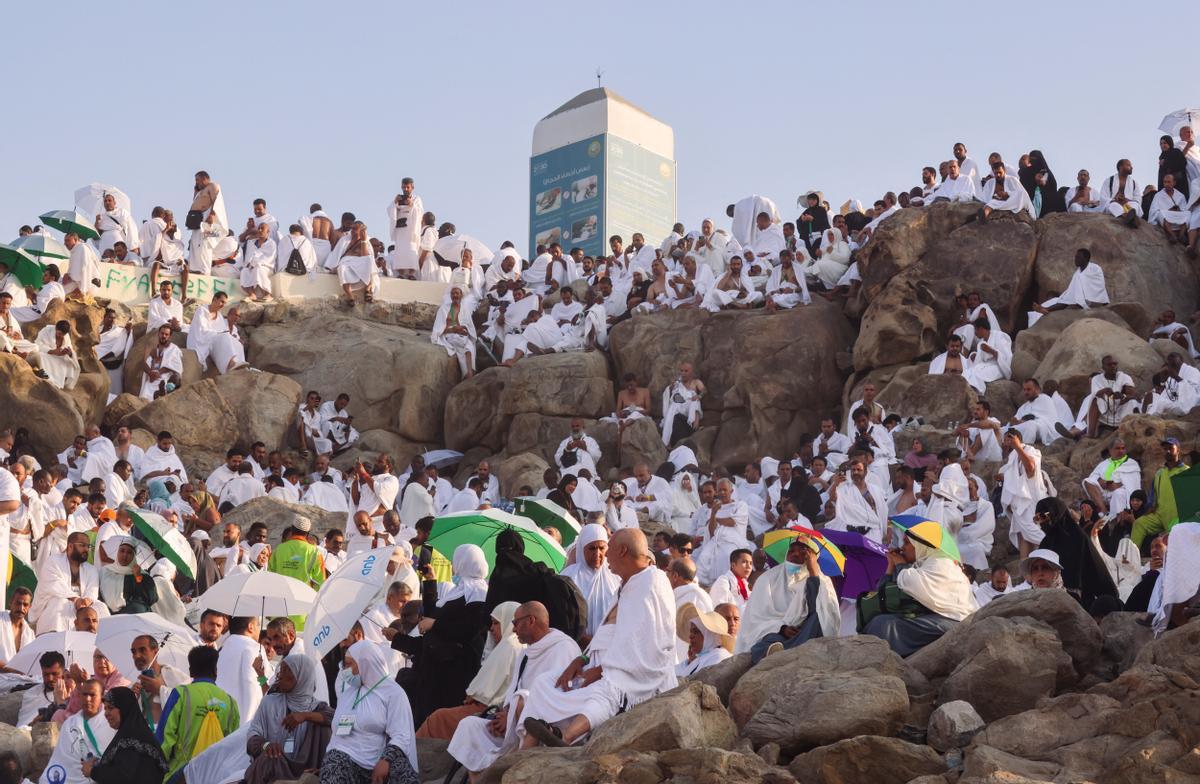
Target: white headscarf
(491, 682)
(598, 586)
(380, 708)
(938, 583)
(470, 575)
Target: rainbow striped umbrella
(829, 556)
(928, 533)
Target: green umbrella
(68, 221)
(1185, 485)
(483, 526)
(43, 246)
(548, 514)
(20, 575)
(166, 538)
(27, 269)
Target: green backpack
(890, 600)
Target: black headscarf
(133, 754)
(1083, 571)
(1172, 161)
(1051, 201)
(516, 578)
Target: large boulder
(279, 515)
(566, 385)
(210, 416)
(856, 685)
(1006, 666)
(515, 471)
(757, 407)
(953, 724)
(45, 410)
(1033, 343)
(122, 406)
(1075, 357)
(903, 239)
(1139, 265)
(910, 317)
(690, 716)
(18, 742)
(938, 400)
(396, 378)
(473, 412)
(868, 758)
(725, 675)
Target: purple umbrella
(866, 561)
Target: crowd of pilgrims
(515, 655)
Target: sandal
(547, 734)
(367, 298)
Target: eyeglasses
(686, 550)
(517, 619)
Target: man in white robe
(539, 335)
(353, 259)
(336, 422)
(681, 400)
(1086, 289)
(1035, 420)
(65, 583)
(709, 248)
(101, 455)
(1111, 399)
(161, 462)
(404, 213)
(479, 742)
(689, 285)
(83, 736)
(1082, 197)
(1120, 194)
(115, 224)
(1004, 194)
(56, 355)
(1113, 479)
(375, 491)
(115, 342)
(991, 360)
(956, 187)
(733, 587)
(258, 264)
(207, 324)
(744, 229)
(829, 261)
(786, 285)
(630, 659)
(734, 289)
(296, 244)
(773, 595)
(648, 493)
(1169, 211)
(454, 330)
(83, 268)
(952, 361)
(1165, 327)
(724, 532)
(584, 450)
(241, 661)
(162, 368)
(589, 331)
(165, 309)
(592, 576)
(15, 631)
(1023, 487)
(979, 437)
(768, 240)
(681, 574)
(861, 506)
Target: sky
(334, 103)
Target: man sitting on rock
(992, 358)
(1113, 479)
(1121, 196)
(951, 361)
(1169, 210)
(1164, 514)
(998, 585)
(631, 657)
(1166, 327)
(1083, 197)
(1036, 418)
(681, 410)
(1113, 397)
(1086, 289)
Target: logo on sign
(367, 564)
(321, 635)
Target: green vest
(183, 725)
(298, 559)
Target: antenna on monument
(599, 74)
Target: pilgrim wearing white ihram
(599, 587)
(635, 647)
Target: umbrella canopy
(20, 575)
(483, 526)
(866, 561)
(265, 594)
(27, 269)
(1179, 118)
(90, 198)
(548, 514)
(829, 557)
(115, 635)
(68, 221)
(76, 647)
(165, 538)
(928, 533)
(451, 248)
(440, 458)
(42, 245)
(344, 597)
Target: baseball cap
(1172, 441)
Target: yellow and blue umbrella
(928, 533)
(829, 555)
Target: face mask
(792, 569)
(456, 579)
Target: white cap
(1049, 556)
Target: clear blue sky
(335, 102)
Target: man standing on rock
(630, 659)
(375, 491)
(1023, 487)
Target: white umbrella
(440, 458)
(116, 633)
(1179, 118)
(76, 647)
(262, 594)
(451, 248)
(346, 595)
(90, 198)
